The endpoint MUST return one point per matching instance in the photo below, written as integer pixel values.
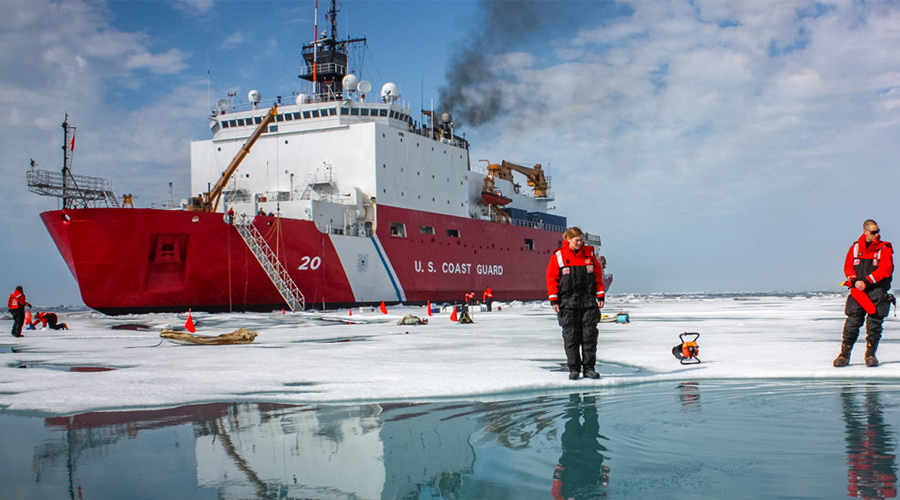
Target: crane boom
(535, 175)
(211, 201)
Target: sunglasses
(875, 231)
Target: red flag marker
(453, 315)
(189, 324)
(429, 308)
(349, 312)
(383, 309)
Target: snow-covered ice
(303, 358)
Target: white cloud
(233, 40)
(194, 7)
(684, 116)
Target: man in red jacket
(869, 266)
(575, 289)
(17, 305)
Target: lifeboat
(495, 198)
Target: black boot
(871, 360)
(843, 358)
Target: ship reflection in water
(637, 441)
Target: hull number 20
(307, 263)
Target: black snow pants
(856, 315)
(18, 321)
(579, 331)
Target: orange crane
(535, 175)
(209, 202)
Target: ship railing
(324, 68)
(359, 231)
(88, 190)
(270, 263)
(538, 225)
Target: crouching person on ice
(575, 288)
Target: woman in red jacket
(575, 289)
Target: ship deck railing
(346, 231)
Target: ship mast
(326, 59)
(67, 159)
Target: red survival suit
(575, 284)
(872, 263)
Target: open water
(709, 439)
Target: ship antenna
(326, 80)
(315, 80)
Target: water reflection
(658, 439)
(689, 395)
(872, 471)
(580, 473)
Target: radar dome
(254, 97)
(390, 92)
(446, 118)
(222, 105)
(350, 82)
(364, 86)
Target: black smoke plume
(471, 91)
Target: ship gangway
(289, 290)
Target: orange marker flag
(349, 312)
(429, 308)
(383, 309)
(453, 315)
(189, 324)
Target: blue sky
(715, 146)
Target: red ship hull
(149, 260)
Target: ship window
(315, 113)
(332, 112)
(426, 230)
(240, 122)
(232, 123)
(453, 233)
(398, 230)
(382, 112)
(297, 115)
(364, 112)
(225, 124)
(354, 111)
(391, 114)
(345, 111)
(279, 118)
(257, 120)
(529, 244)
(273, 128)
(306, 114)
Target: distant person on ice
(869, 266)
(575, 287)
(488, 297)
(17, 305)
